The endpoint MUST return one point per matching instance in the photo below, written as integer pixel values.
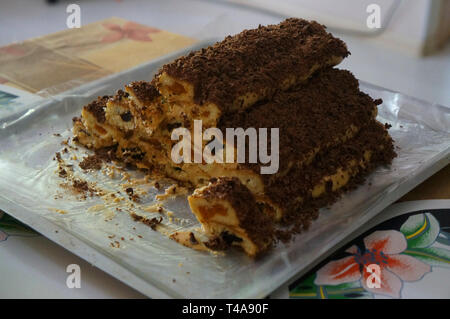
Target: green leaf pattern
(420, 230)
(434, 256)
(308, 290)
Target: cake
(279, 76)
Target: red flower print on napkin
(383, 248)
(130, 30)
(13, 49)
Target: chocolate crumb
(58, 157)
(107, 154)
(144, 91)
(62, 173)
(152, 223)
(80, 185)
(131, 195)
(97, 108)
(91, 162)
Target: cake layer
(332, 171)
(147, 105)
(89, 130)
(234, 74)
(230, 215)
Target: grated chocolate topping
(256, 60)
(144, 91)
(285, 190)
(121, 94)
(97, 108)
(309, 115)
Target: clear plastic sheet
(160, 267)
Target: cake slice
(230, 215)
(234, 74)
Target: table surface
(425, 78)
